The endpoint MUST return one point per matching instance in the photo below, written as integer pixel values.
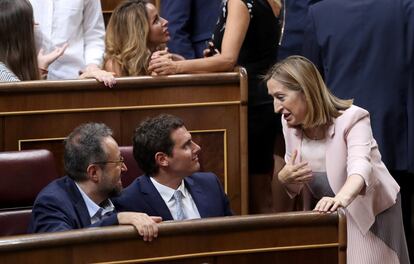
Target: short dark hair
(83, 147)
(151, 136)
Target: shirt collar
(166, 192)
(92, 206)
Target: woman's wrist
(178, 66)
(43, 72)
(343, 200)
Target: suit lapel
(198, 195)
(79, 204)
(153, 198)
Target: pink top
(351, 149)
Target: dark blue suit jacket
(60, 207)
(295, 22)
(409, 8)
(364, 50)
(191, 23)
(205, 188)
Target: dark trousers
(406, 182)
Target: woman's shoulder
(352, 115)
(355, 111)
(6, 75)
(248, 3)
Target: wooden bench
(40, 114)
(306, 237)
(23, 174)
(14, 222)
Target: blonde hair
(299, 74)
(126, 38)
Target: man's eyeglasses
(120, 161)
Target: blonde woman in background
(134, 32)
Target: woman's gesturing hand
(45, 59)
(295, 173)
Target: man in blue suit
(82, 199)
(171, 187)
(364, 49)
(191, 23)
(295, 12)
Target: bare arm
(237, 24)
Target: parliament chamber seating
(22, 175)
(40, 114)
(14, 222)
(297, 237)
(133, 170)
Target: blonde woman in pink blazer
(332, 157)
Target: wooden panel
(47, 131)
(213, 151)
(87, 95)
(108, 7)
(1, 133)
(305, 237)
(40, 114)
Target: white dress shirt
(188, 204)
(76, 22)
(93, 208)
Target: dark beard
(115, 192)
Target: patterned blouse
(6, 75)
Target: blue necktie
(97, 217)
(178, 196)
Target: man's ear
(161, 159)
(93, 171)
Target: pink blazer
(351, 149)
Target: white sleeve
(93, 32)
